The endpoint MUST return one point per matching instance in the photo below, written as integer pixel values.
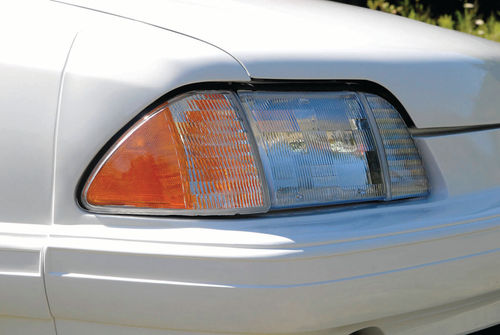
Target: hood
(426, 67)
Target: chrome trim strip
(442, 131)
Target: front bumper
(402, 266)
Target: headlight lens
(223, 152)
(406, 173)
(316, 147)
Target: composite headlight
(229, 152)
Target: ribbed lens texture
(221, 168)
(316, 147)
(406, 172)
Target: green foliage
(467, 20)
(405, 8)
(446, 21)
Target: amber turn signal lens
(191, 155)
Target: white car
(245, 167)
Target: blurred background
(480, 17)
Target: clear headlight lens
(406, 172)
(221, 152)
(316, 147)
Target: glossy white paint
(442, 77)
(409, 267)
(469, 167)
(334, 269)
(99, 97)
(31, 63)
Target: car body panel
(314, 39)
(330, 273)
(446, 320)
(167, 272)
(99, 97)
(34, 72)
(31, 64)
(409, 267)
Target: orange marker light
(192, 153)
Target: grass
(468, 20)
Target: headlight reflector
(316, 147)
